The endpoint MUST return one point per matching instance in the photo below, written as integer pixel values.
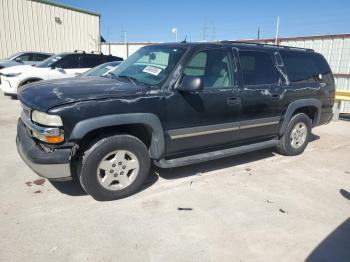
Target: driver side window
(212, 66)
(25, 57)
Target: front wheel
(114, 167)
(296, 136)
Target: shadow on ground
(345, 194)
(73, 188)
(192, 170)
(335, 247)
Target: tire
(114, 167)
(292, 142)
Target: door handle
(233, 101)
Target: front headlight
(46, 119)
(12, 74)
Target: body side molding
(150, 120)
(220, 128)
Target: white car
(63, 65)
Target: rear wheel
(296, 136)
(114, 167)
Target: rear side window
(26, 57)
(257, 68)
(89, 61)
(306, 67)
(41, 57)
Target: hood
(44, 95)
(16, 69)
(6, 63)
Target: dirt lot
(255, 207)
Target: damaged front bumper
(53, 165)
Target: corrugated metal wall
(121, 49)
(27, 25)
(336, 49)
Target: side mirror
(18, 60)
(59, 69)
(191, 84)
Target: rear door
(208, 117)
(261, 94)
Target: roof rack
(96, 52)
(82, 51)
(267, 45)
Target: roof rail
(267, 45)
(96, 52)
(82, 51)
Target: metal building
(335, 48)
(41, 25)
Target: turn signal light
(54, 139)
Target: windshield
(101, 69)
(12, 56)
(50, 61)
(150, 65)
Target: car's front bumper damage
(53, 165)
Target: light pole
(277, 28)
(174, 31)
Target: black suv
(173, 105)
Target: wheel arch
(34, 79)
(302, 106)
(119, 122)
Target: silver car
(24, 58)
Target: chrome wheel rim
(117, 170)
(298, 135)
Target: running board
(189, 160)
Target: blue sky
(216, 19)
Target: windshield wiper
(130, 79)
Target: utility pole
(205, 28)
(258, 32)
(277, 28)
(123, 35)
(213, 36)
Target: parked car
(62, 65)
(24, 58)
(100, 70)
(173, 105)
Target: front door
(67, 66)
(208, 117)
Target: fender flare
(292, 107)
(31, 78)
(147, 119)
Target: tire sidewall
(88, 176)
(293, 122)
